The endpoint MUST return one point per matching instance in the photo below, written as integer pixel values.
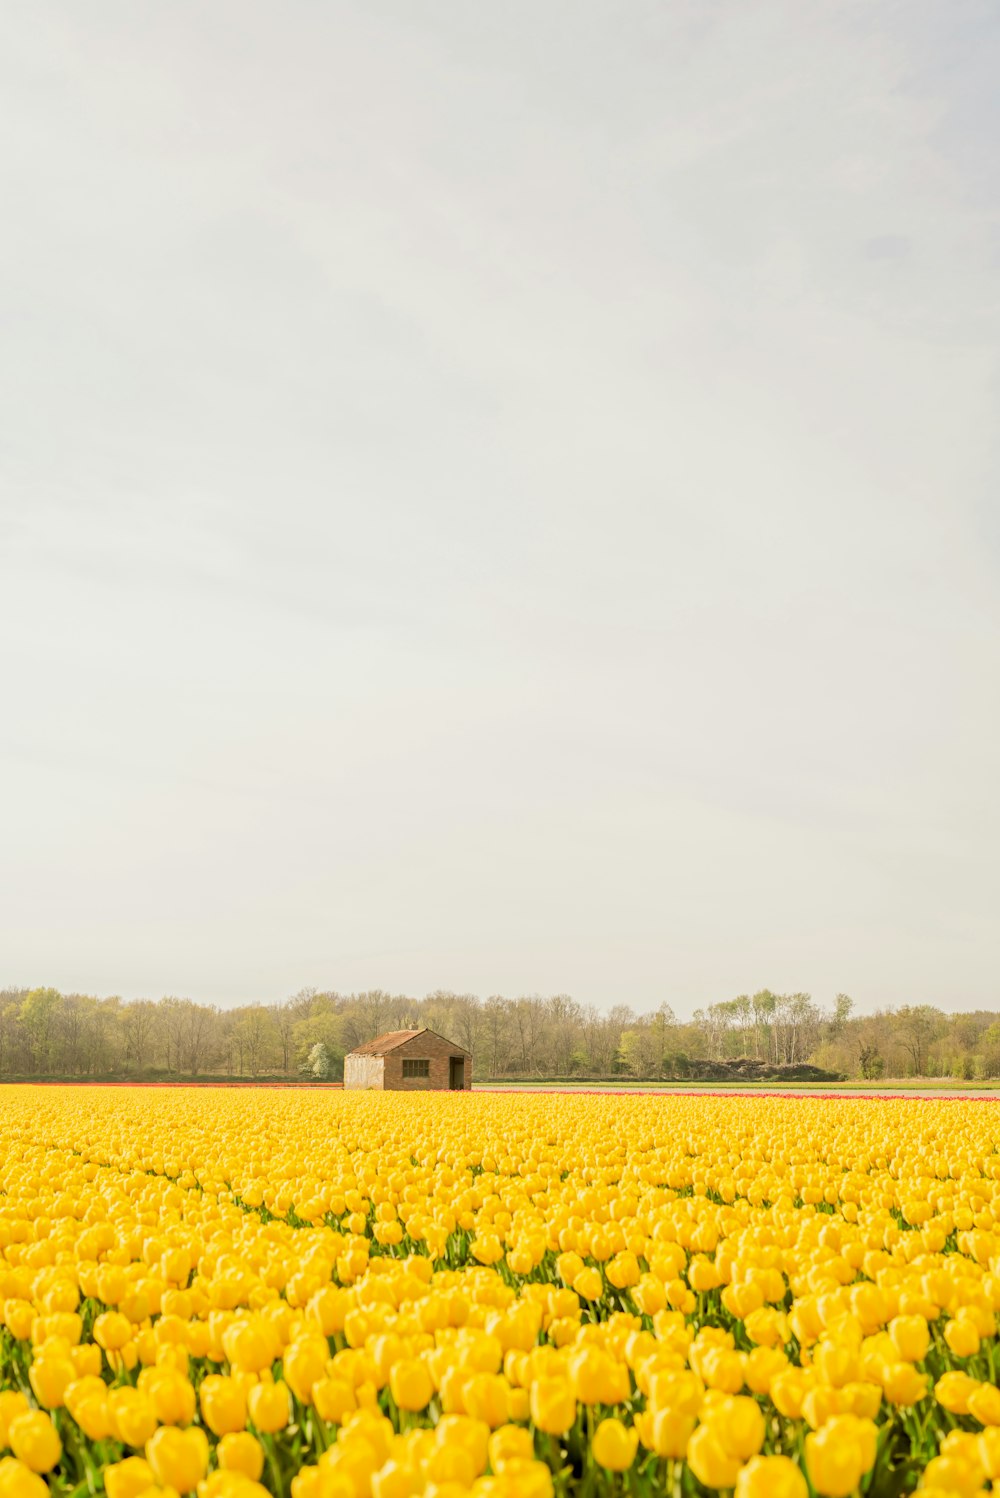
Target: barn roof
(387, 1042)
(382, 1044)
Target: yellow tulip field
(366, 1295)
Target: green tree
(842, 1007)
(763, 1006)
(630, 1052)
(37, 1016)
(916, 1027)
(322, 1027)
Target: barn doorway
(456, 1074)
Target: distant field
(928, 1089)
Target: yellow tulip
(962, 1338)
(623, 1270)
(703, 1275)
(128, 1478)
(835, 1363)
(665, 1431)
(596, 1377)
(465, 1434)
(553, 1406)
(988, 1452)
(509, 1443)
(649, 1295)
(35, 1441)
(178, 1458)
(954, 1390)
(771, 1477)
(839, 1455)
(226, 1484)
(411, 1384)
(613, 1445)
(762, 1366)
(983, 1404)
(269, 1407)
(172, 1395)
(248, 1346)
(739, 1423)
(19, 1481)
(304, 1364)
(395, 1480)
(112, 1331)
(241, 1452)
(903, 1385)
(328, 1308)
(333, 1399)
(486, 1398)
(953, 1474)
(588, 1284)
(449, 1464)
(131, 1416)
(91, 1415)
(12, 1404)
(223, 1404)
(911, 1337)
(50, 1377)
(710, 1459)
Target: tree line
(47, 1033)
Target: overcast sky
(501, 497)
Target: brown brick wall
(425, 1048)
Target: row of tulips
(364, 1296)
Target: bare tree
(138, 1027)
(259, 1037)
(286, 1016)
(497, 1029)
(373, 1006)
(196, 1029)
(467, 1020)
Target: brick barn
(409, 1061)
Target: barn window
(416, 1068)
